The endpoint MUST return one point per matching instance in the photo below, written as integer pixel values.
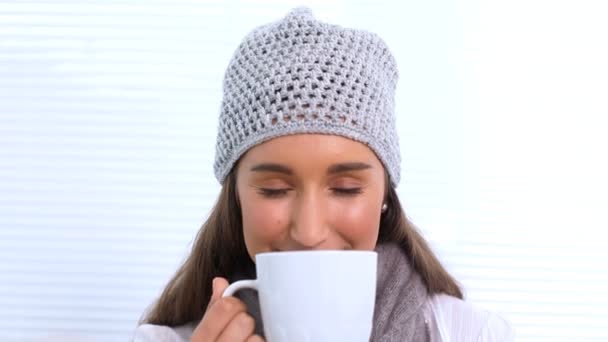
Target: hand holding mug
(226, 319)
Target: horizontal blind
(108, 112)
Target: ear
(387, 187)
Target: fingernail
(213, 284)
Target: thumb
(218, 285)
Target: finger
(255, 338)
(218, 285)
(239, 329)
(217, 317)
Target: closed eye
(347, 191)
(275, 193)
(272, 193)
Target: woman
(308, 156)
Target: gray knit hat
(299, 75)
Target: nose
(309, 228)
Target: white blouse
(450, 320)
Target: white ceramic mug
(315, 296)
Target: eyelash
(274, 193)
(347, 191)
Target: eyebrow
(346, 167)
(336, 168)
(271, 167)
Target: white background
(108, 115)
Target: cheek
(358, 224)
(263, 223)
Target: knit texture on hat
(299, 75)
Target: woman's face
(310, 192)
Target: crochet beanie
(299, 75)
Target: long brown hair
(219, 250)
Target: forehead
(310, 149)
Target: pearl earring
(384, 207)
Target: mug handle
(239, 285)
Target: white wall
(107, 125)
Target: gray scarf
(400, 299)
